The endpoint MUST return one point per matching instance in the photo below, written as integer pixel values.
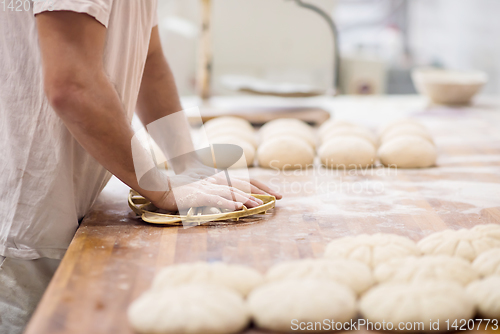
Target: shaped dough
(350, 131)
(490, 230)
(488, 263)
(347, 152)
(307, 136)
(285, 152)
(239, 278)
(226, 122)
(332, 124)
(416, 269)
(407, 130)
(233, 132)
(292, 124)
(274, 305)
(371, 249)
(408, 152)
(248, 150)
(486, 295)
(189, 309)
(464, 243)
(399, 123)
(417, 302)
(354, 274)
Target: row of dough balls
(221, 298)
(404, 143)
(384, 276)
(447, 275)
(281, 143)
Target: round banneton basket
(149, 213)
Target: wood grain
(114, 255)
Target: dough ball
(407, 130)
(291, 124)
(191, 308)
(274, 305)
(332, 124)
(285, 152)
(152, 149)
(464, 243)
(488, 263)
(401, 122)
(486, 296)
(408, 152)
(347, 152)
(307, 136)
(248, 149)
(233, 132)
(417, 302)
(239, 278)
(371, 249)
(416, 269)
(350, 131)
(354, 274)
(228, 122)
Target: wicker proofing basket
(143, 207)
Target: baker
(72, 74)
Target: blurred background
(381, 41)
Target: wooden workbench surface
(114, 255)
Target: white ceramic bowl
(448, 86)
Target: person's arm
(158, 98)
(81, 93)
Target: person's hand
(203, 193)
(199, 171)
(246, 185)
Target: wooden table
(114, 255)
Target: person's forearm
(93, 113)
(158, 98)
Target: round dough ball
(239, 278)
(347, 152)
(189, 309)
(464, 243)
(417, 302)
(233, 132)
(307, 136)
(408, 152)
(274, 305)
(371, 249)
(248, 149)
(488, 263)
(225, 122)
(416, 269)
(332, 124)
(286, 123)
(350, 131)
(354, 274)
(285, 152)
(486, 296)
(401, 122)
(406, 130)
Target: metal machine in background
(263, 113)
(259, 87)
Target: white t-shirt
(47, 180)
